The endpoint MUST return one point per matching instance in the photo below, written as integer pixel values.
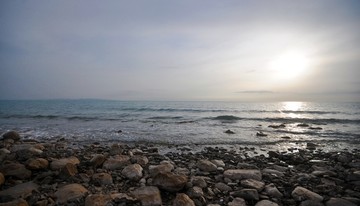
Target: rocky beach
(61, 172)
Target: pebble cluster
(54, 173)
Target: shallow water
(201, 123)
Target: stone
(116, 162)
(97, 199)
(22, 190)
(183, 200)
(237, 202)
(97, 160)
(223, 187)
(2, 179)
(69, 170)
(229, 132)
(132, 172)
(321, 173)
(70, 192)
(164, 167)
(355, 176)
(15, 170)
(37, 163)
(206, 166)
(18, 202)
(266, 203)
(218, 163)
(102, 179)
(301, 194)
(253, 184)
(170, 181)
(199, 181)
(11, 135)
(195, 192)
(248, 194)
(239, 174)
(311, 203)
(149, 196)
(339, 202)
(273, 191)
(60, 163)
(141, 160)
(182, 171)
(116, 149)
(272, 172)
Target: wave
(165, 117)
(226, 118)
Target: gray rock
(272, 191)
(199, 181)
(239, 174)
(60, 163)
(339, 202)
(223, 187)
(266, 203)
(218, 163)
(149, 196)
(273, 172)
(183, 200)
(248, 194)
(170, 181)
(206, 166)
(253, 184)
(301, 194)
(132, 172)
(195, 192)
(116, 162)
(162, 168)
(237, 202)
(23, 190)
(311, 203)
(15, 170)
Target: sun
(289, 65)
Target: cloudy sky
(263, 50)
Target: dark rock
(18, 202)
(23, 190)
(68, 170)
(195, 192)
(69, 192)
(223, 187)
(277, 126)
(266, 203)
(300, 194)
(206, 166)
(170, 181)
(253, 184)
(116, 162)
(97, 160)
(339, 202)
(164, 167)
(229, 132)
(60, 163)
(261, 134)
(247, 194)
(183, 200)
(302, 125)
(11, 135)
(272, 191)
(16, 170)
(97, 199)
(37, 163)
(239, 174)
(2, 179)
(102, 179)
(237, 202)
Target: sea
(184, 123)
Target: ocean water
(200, 123)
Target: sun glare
(289, 65)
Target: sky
(229, 50)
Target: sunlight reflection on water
(293, 106)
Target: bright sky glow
(266, 50)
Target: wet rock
(16, 170)
(301, 194)
(102, 179)
(239, 174)
(22, 190)
(218, 163)
(18, 202)
(170, 181)
(116, 162)
(273, 154)
(253, 184)
(60, 163)
(164, 167)
(116, 149)
(261, 134)
(11, 135)
(97, 160)
(195, 192)
(223, 187)
(70, 192)
(2, 179)
(229, 132)
(311, 146)
(199, 181)
(183, 200)
(272, 191)
(272, 172)
(355, 176)
(319, 173)
(248, 194)
(266, 203)
(149, 196)
(206, 166)
(302, 125)
(68, 170)
(182, 171)
(141, 160)
(37, 163)
(311, 203)
(132, 172)
(277, 126)
(237, 202)
(97, 199)
(339, 202)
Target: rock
(182, 171)
(195, 192)
(229, 132)
(253, 184)
(97, 160)
(132, 172)
(223, 187)
(272, 172)
(116, 149)
(11, 135)
(277, 126)
(116, 162)
(218, 163)
(237, 202)
(141, 160)
(355, 176)
(311, 203)
(206, 166)
(311, 146)
(2, 179)
(18, 202)
(302, 125)
(16, 170)
(248, 194)
(102, 179)
(69, 170)
(239, 174)
(149, 196)
(272, 191)
(183, 200)
(261, 134)
(164, 167)
(322, 173)
(199, 181)
(266, 203)
(60, 163)
(97, 200)
(37, 163)
(170, 181)
(300, 194)
(339, 202)
(22, 190)
(273, 154)
(70, 192)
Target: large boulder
(70, 192)
(22, 190)
(149, 196)
(240, 174)
(170, 181)
(60, 163)
(301, 194)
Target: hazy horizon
(269, 50)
